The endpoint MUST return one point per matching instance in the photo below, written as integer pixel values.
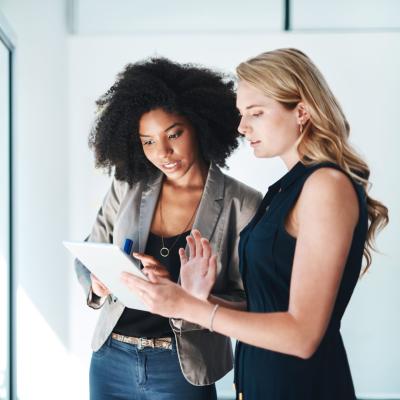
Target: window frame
(8, 40)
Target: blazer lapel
(207, 214)
(211, 203)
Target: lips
(170, 165)
(254, 142)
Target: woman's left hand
(162, 296)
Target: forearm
(278, 331)
(182, 325)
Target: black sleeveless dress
(266, 257)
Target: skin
(325, 213)
(271, 129)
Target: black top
(266, 252)
(142, 323)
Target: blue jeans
(122, 371)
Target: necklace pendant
(164, 252)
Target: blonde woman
(301, 255)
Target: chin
(177, 174)
(262, 153)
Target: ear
(302, 114)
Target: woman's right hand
(199, 271)
(98, 288)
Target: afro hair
(204, 97)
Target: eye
(175, 135)
(147, 142)
(257, 114)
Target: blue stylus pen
(128, 246)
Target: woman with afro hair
(164, 130)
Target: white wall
(362, 70)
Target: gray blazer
(225, 208)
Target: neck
(290, 159)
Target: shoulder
(330, 189)
(240, 188)
(247, 196)
(120, 189)
(231, 186)
(329, 181)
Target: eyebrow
(166, 130)
(252, 106)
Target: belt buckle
(145, 342)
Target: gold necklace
(164, 251)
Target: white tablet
(107, 261)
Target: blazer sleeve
(102, 232)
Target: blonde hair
(290, 77)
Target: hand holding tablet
(107, 262)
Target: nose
(164, 150)
(243, 127)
